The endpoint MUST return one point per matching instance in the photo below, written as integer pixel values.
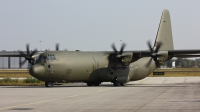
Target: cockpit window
(51, 57)
(54, 58)
(38, 58)
(44, 57)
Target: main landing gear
(119, 84)
(49, 84)
(93, 83)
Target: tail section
(164, 34)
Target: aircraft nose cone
(37, 70)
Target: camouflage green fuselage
(77, 66)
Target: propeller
(118, 54)
(57, 47)
(28, 55)
(154, 53)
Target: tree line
(183, 63)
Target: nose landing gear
(119, 84)
(49, 84)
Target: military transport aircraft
(93, 68)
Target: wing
(11, 54)
(170, 53)
(18, 53)
(184, 53)
(160, 56)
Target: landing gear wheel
(116, 84)
(96, 84)
(49, 84)
(123, 84)
(90, 84)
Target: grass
(178, 72)
(7, 81)
(8, 74)
(14, 73)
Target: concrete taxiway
(152, 94)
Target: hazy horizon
(89, 25)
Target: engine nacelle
(163, 57)
(127, 57)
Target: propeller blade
(57, 47)
(22, 63)
(32, 53)
(122, 48)
(159, 44)
(27, 49)
(114, 48)
(148, 63)
(22, 54)
(149, 45)
(29, 61)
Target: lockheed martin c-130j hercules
(93, 68)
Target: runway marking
(45, 101)
(152, 99)
(185, 80)
(164, 81)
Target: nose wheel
(49, 84)
(119, 84)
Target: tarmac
(152, 94)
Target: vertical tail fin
(164, 34)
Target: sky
(93, 25)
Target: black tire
(49, 84)
(90, 84)
(96, 84)
(116, 84)
(123, 84)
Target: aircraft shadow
(104, 85)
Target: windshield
(43, 58)
(38, 58)
(51, 57)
